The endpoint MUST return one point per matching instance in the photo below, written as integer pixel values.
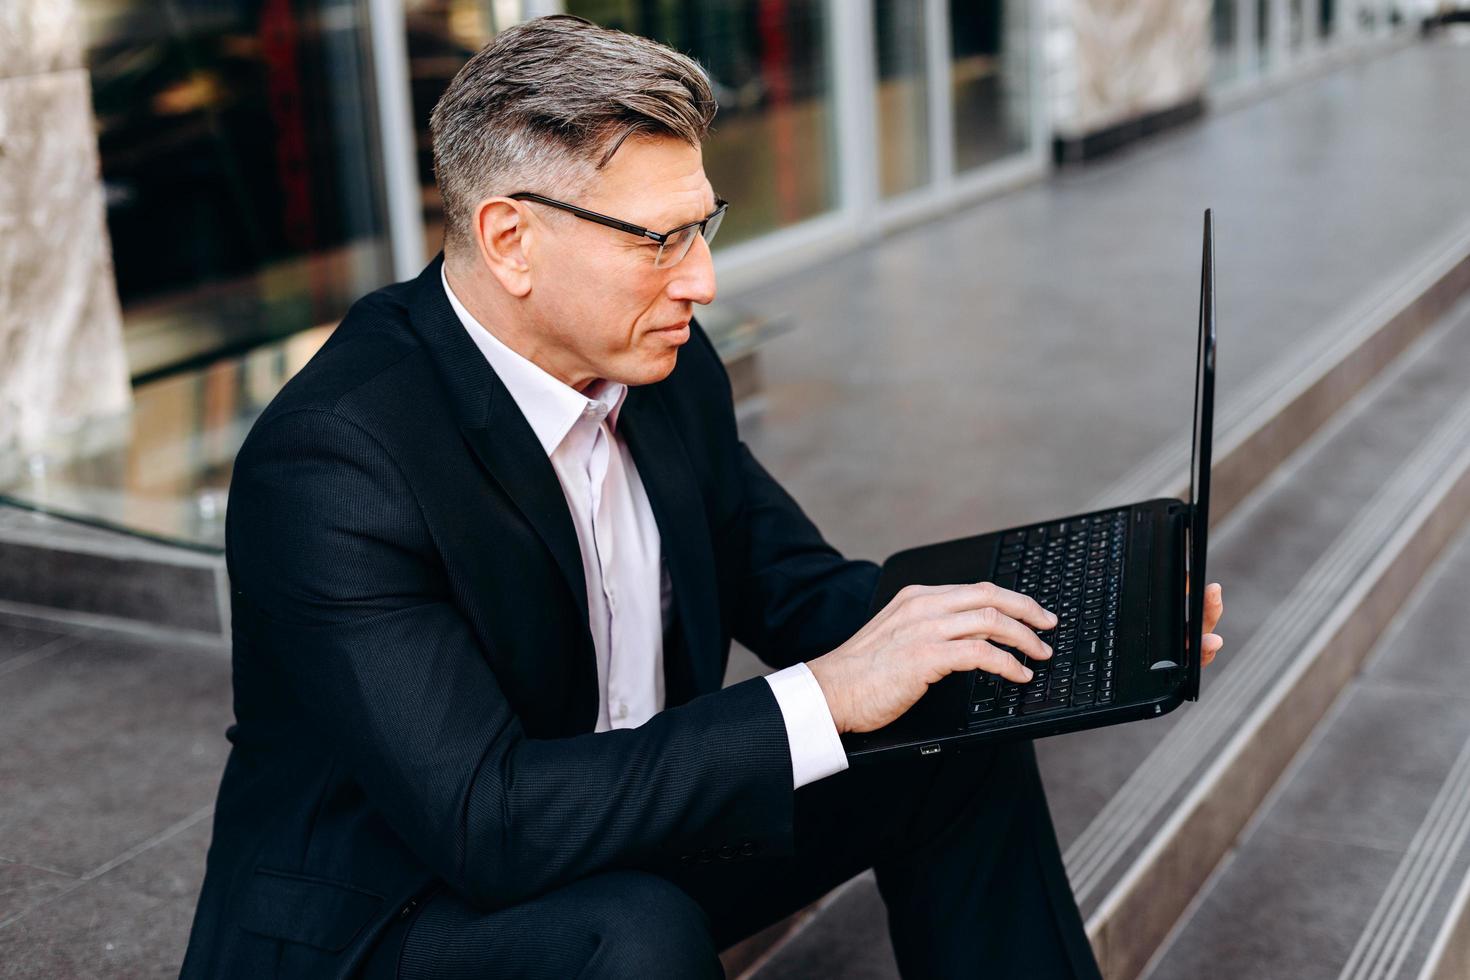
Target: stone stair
(94, 577)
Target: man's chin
(651, 368)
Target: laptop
(1127, 585)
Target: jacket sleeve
(799, 597)
(345, 601)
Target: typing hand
(1214, 607)
(926, 632)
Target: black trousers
(963, 849)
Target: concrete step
(87, 576)
(1315, 561)
(1358, 863)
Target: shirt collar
(551, 406)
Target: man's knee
(646, 926)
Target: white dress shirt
(628, 589)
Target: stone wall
(1112, 61)
(61, 351)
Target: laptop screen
(1199, 463)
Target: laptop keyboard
(1074, 569)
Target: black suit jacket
(414, 679)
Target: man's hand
(1214, 607)
(928, 631)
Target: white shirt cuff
(816, 749)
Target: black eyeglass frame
(662, 238)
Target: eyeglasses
(672, 245)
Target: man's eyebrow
(675, 222)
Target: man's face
(597, 298)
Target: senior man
(487, 553)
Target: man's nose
(694, 277)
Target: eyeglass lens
(674, 250)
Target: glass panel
(988, 79)
(902, 97)
(163, 470)
(1326, 17)
(442, 36)
(1367, 16)
(1263, 34)
(237, 143)
(1224, 29)
(772, 151)
(1296, 24)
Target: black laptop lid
(1199, 464)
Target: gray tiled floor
(113, 751)
(1001, 365)
(1296, 910)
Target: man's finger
(973, 654)
(1019, 607)
(1214, 606)
(1209, 646)
(990, 623)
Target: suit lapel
(504, 442)
(673, 491)
(519, 465)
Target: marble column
(1113, 61)
(62, 363)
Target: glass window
(442, 36)
(1224, 29)
(237, 145)
(1326, 17)
(1368, 16)
(902, 96)
(988, 80)
(1263, 34)
(772, 151)
(1296, 24)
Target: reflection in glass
(236, 144)
(164, 470)
(1326, 17)
(442, 36)
(1223, 33)
(1263, 34)
(902, 96)
(1296, 24)
(771, 153)
(988, 80)
(1368, 16)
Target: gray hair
(546, 104)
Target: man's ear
(502, 232)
